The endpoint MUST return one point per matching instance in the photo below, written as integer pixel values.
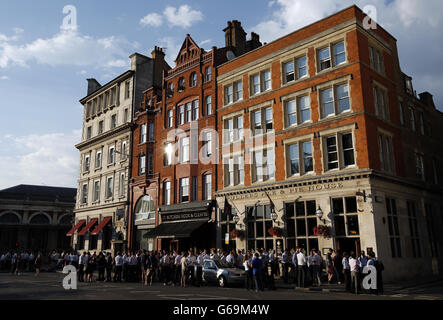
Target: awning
(175, 230)
(76, 227)
(88, 226)
(102, 224)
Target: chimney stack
(427, 99)
(235, 37)
(93, 85)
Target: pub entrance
(348, 245)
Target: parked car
(219, 272)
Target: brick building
(324, 132)
(102, 208)
(179, 178)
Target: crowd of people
(19, 262)
(262, 267)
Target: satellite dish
(230, 55)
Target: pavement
(48, 286)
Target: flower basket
(322, 231)
(234, 234)
(275, 232)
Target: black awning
(175, 230)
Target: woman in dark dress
(92, 265)
(37, 264)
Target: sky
(44, 66)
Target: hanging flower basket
(322, 231)
(234, 234)
(275, 232)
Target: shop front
(185, 226)
(316, 214)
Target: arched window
(9, 218)
(145, 208)
(39, 219)
(193, 80)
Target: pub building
(174, 179)
(350, 157)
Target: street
(48, 286)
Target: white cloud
(415, 25)
(205, 42)
(68, 47)
(152, 19)
(4, 78)
(49, 159)
(183, 17)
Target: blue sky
(43, 70)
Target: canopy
(88, 226)
(102, 224)
(75, 228)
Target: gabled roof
(39, 193)
(187, 46)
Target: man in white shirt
(346, 271)
(301, 267)
(354, 267)
(83, 263)
(118, 267)
(230, 259)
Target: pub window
(413, 228)
(259, 221)
(181, 84)
(345, 217)
(393, 226)
(301, 220)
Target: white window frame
(96, 197)
(109, 187)
(335, 100)
(111, 155)
(260, 87)
(144, 133)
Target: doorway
(348, 245)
